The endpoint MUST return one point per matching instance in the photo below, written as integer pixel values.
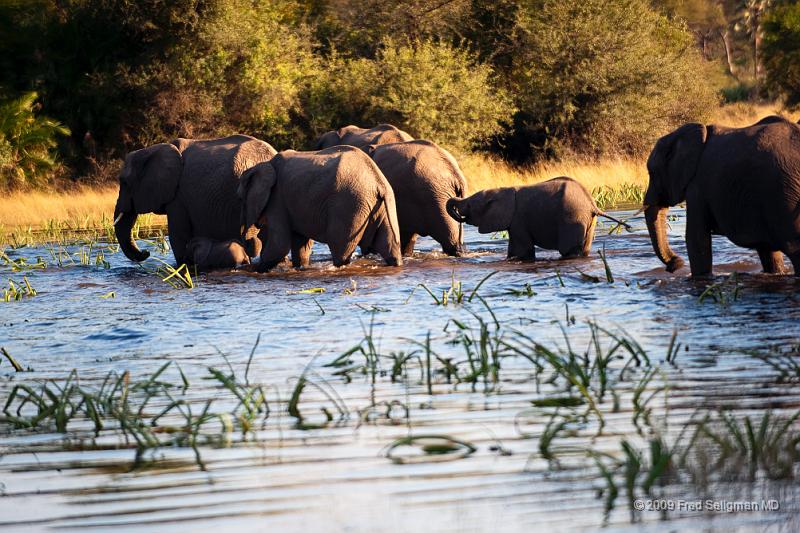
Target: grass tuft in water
(723, 292)
(455, 294)
(179, 278)
(10, 359)
(148, 414)
(428, 448)
(16, 291)
(606, 267)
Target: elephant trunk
(452, 210)
(123, 227)
(656, 217)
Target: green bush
(134, 73)
(781, 51)
(595, 76)
(251, 66)
(432, 90)
(27, 143)
(737, 93)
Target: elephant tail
(623, 223)
(391, 218)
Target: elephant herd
(232, 199)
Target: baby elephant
(208, 254)
(558, 214)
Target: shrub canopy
(530, 79)
(781, 50)
(595, 76)
(432, 90)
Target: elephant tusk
(119, 217)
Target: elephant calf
(362, 137)
(337, 196)
(423, 177)
(208, 254)
(558, 214)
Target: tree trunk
(757, 68)
(726, 40)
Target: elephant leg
(698, 241)
(179, 230)
(407, 242)
(572, 240)
(772, 262)
(385, 243)
(278, 244)
(301, 250)
(341, 252)
(520, 246)
(587, 241)
(450, 238)
(345, 233)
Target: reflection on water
(338, 477)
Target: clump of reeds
(18, 290)
(455, 294)
(149, 413)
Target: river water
(336, 476)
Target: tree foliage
(529, 79)
(596, 75)
(782, 51)
(26, 143)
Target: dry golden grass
(78, 208)
(743, 114)
(484, 172)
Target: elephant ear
(250, 153)
(370, 149)
(152, 175)
(673, 164)
(498, 210)
(255, 188)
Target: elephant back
(210, 179)
(420, 165)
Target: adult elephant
(194, 183)
(423, 177)
(362, 137)
(743, 183)
(337, 196)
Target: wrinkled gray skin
(192, 182)
(208, 255)
(558, 214)
(362, 137)
(423, 177)
(336, 196)
(743, 183)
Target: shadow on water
(430, 418)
